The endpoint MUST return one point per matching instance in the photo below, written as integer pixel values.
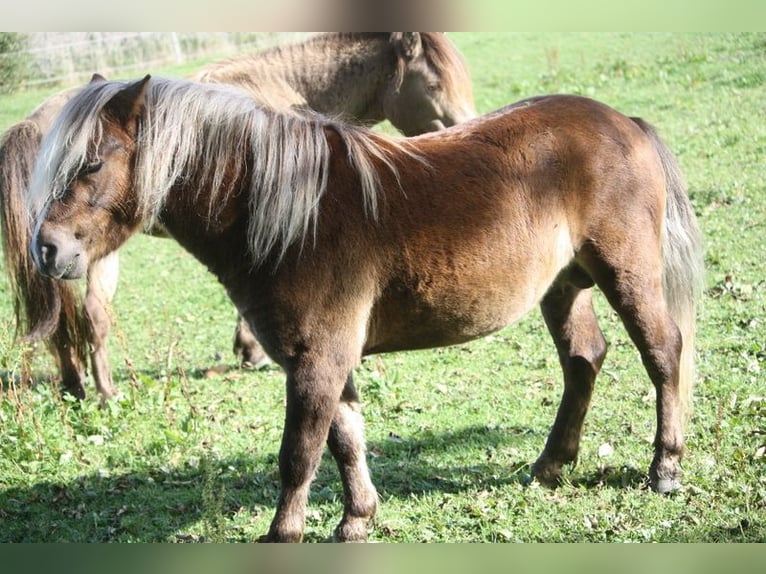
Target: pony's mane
(216, 135)
(437, 48)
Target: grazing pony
(334, 242)
(417, 80)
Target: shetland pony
(417, 80)
(334, 242)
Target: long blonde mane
(193, 135)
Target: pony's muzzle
(58, 255)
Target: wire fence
(60, 58)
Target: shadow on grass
(160, 505)
(13, 380)
(154, 505)
(623, 478)
(157, 505)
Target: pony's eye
(91, 167)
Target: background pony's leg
(346, 442)
(102, 285)
(70, 364)
(247, 346)
(313, 392)
(568, 313)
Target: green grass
(189, 453)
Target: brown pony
(417, 80)
(334, 242)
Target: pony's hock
(434, 231)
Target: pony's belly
(443, 304)
(407, 322)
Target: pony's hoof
(665, 475)
(351, 532)
(273, 537)
(74, 389)
(257, 365)
(255, 362)
(547, 472)
(665, 485)
(107, 394)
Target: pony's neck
(210, 238)
(325, 74)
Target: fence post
(177, 47)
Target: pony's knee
(346, 435)
(98, 316)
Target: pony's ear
(97, 78)
(127, 105)
(410, 44)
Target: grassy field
(188, 453)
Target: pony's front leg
(312, 402)
(102, 285)
(346, 442)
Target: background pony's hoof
(73, 388)
(252, 354)
(256, 363)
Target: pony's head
(431, 89)
(81, 189)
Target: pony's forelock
(69, 143)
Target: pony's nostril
(48, 253)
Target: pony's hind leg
(568, 313)
(102, 285)
(346, 442)
(633, 287)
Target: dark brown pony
(416, 80)
(334, 242)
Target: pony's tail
(682, 261)
(43, 308)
